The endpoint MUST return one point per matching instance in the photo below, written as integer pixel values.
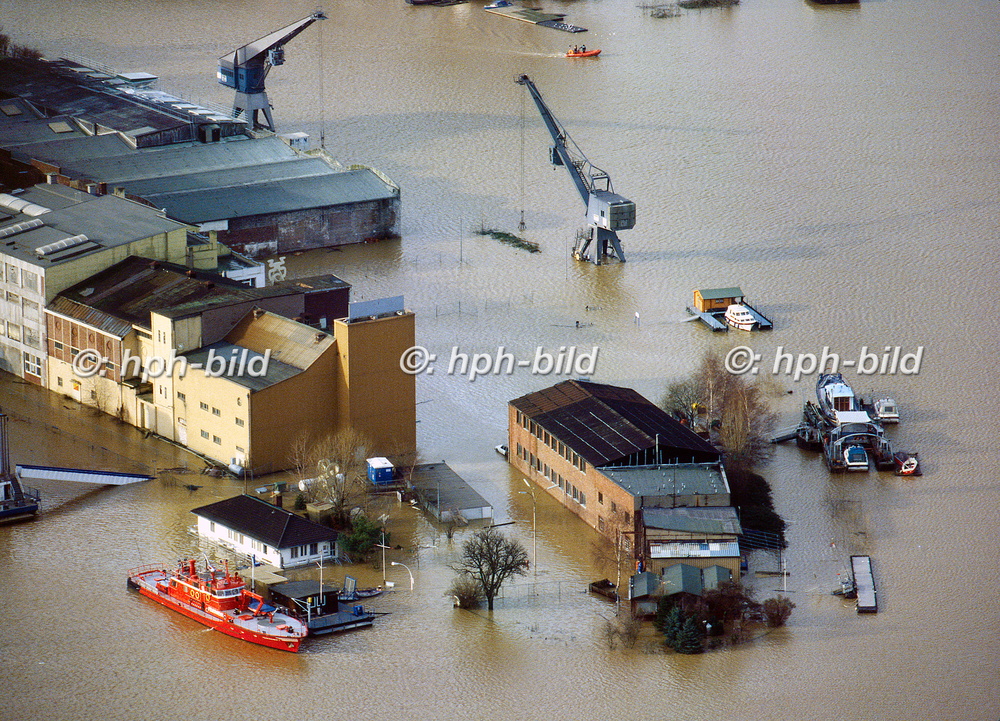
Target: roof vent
(21, 227)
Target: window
(240, 450)
(211, 526)
(32, 364)
(294, 553)
(600, 523)
(30, 309)
(93, 395)
(216, 440)
(13, 298)
(203, 406)
(313, 549)
(205, 434)
(59, 381)
(240, 422)
(216, 412)
(628, 518)
(583, 498)
(614, 507)
(13, 331)
(181, 396)
(31, 337)
(13, 275)
(30, 280)
(58, 347)
(600, 498)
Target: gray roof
(695, 520)
(106, 221)
(646, 583)
(682, 578)
(213, 202)
(109, 159)
(712, 576)
(34, 130)
(681, 479)
(276, 371)
(434, 481)
(719, 293)
(258, 519)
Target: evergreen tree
(688, 638)
(670, 626)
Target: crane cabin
(610, 211)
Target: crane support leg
(251, 103)
(606, 238)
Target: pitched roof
(719, 293)
(264, 522)
(605, 424)
(682, 578)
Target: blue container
(380, 471)
(359, 610)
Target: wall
(263, 235)
(374, 396)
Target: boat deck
(715, 320)
(864, 581)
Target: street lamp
(397, 563)
(534, 535)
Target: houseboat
(834, 396)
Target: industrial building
(100, 132)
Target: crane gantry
(607, 211)
(246, 68)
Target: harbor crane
(246, 69)
(607, 211)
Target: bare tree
(490, 558)
(338, 464)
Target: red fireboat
(220, 600)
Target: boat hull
(238, 626)
(587, 54)
(230, 629)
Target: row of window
(535, 463)
(21, 278)
(205, 407)
(551, 441)
(21, 333)
(29, 308)
(311, 550)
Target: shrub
(777, 610)
(468, 591)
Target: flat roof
(95, 223)
(439, 486)
(682, 479)
(701, 519)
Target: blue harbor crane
(607, 211)
(246, 69)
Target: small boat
(219, 600)
(739, 316)
(498, 4)
(361, 593)
(856, 458)
(907, 464)
(501, 449)
(848, 589)
(17, 502)
(885, 410)
(583, 53)
(605, 587)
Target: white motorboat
(739, 316)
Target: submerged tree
(336, 464)
(490, 558)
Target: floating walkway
(536, 17)
(714, 320)
(864, 582)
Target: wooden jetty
(864, 582)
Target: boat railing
(147, 568)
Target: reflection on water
(828, 160)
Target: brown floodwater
(837, 162)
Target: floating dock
(536, 17)
(714, 320)
(864, 582)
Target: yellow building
(221, 368)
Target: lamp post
(534, 535)
(397, 563)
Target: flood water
(837, 162)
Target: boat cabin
(716, 300)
